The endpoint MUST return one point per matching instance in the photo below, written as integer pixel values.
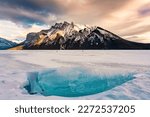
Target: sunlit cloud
(127, 18)
(13, 31)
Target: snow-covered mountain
(5, 44)
(18, 41)
(73, 36)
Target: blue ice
(73, 82)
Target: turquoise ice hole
(74, 82)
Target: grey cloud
(144, 10)
(41, 6)
(40, 9)
(27, 12)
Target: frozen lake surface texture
(77, 75)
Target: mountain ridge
(70, 36)
(6, 44)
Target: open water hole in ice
(73, 82)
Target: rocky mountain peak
(74, 36)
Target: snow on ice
(127, 73)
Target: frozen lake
(105, 74)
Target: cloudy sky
(127, 18)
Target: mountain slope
(5, 44)
(72, 36)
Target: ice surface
(15, 66)
(74, 82)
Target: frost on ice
(73, 82)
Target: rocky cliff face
(72, 36)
